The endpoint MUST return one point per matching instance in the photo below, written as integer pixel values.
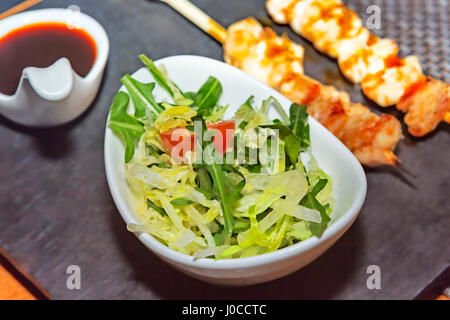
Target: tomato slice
(183, 140)
(177, 142)
(224, 136)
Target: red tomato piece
(183, 140)
(180, 138)
(224, 136)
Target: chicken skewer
(337, 31)
(267, 57)
(278, 62)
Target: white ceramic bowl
(349, 181)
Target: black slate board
(56, 209)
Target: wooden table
(56, 209)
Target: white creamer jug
(56, 94)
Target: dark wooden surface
(56, 209)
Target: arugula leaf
(151, 204)
(245, 113)
(292, 143)
(141, 94)
(204, 179)
(207, 193)
(248, 103)
(156, 73)
(163, 80)
(218, 178)
(231, 196)
(253, 168)
(299, 123)
(207, 96)
(310, 201)
(164, 165)
(181, 202)
(124, 125)
(296, 135)
(292, 146)
(283, 130)
(272, 101)
(190, 95)
(241, 225)
(220, 184)
(277, 121)
(227, 203)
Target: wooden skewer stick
(199, 18)
(19, 8)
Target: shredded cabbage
(275, 201)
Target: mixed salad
(215, 188)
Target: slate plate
(56, 209)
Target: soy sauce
(40, 45)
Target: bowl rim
(342, 223)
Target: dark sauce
(40, 45)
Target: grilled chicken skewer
(337, 31)
(272, 60)
(278, 62)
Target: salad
(215, 188)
